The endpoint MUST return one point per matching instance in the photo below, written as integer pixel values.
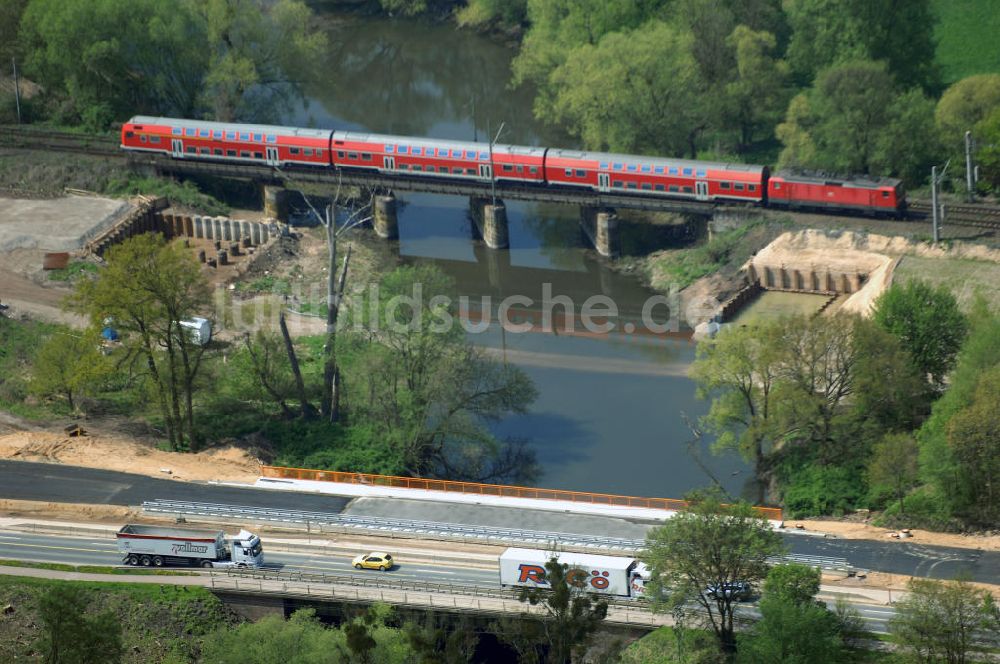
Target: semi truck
(157, 546)
(606, 575)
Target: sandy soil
(110, 452)
(855, 530)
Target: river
(611, 412)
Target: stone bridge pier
(385, 221)
(600, 225)
(275, 202)
(490, 218)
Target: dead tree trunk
(330, 405)
(294, 361)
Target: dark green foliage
(974, 439)
(70, 635)
(809, 489)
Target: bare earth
(110, 452)
(852, 530)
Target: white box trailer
(156, 546)
(606, 575)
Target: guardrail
(498, 490)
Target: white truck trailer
(156, 546)
(607, 575)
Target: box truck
(607, 575)
(156, 546)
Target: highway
(17, 545)
(51, 482)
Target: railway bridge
(597, 209)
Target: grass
(966, 279)
(73, 271)
(967, 37)
(92, 569)
(685, 266)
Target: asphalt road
(22, 480)
(53, 482)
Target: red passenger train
(629, 175)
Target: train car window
(244, 154)
(272, 139)
(659, 187)
(646, 168)
(508, 168)
(205, 133)
(177, 131)
(632, 168)
(142, 138)
(483, 156)
(403, 167)
(687, 171)
(569, 172)
(418, 151)
(366, 156)
(520, 169)
(258, 137)
(258, 155)
(244, 136)
(404, 149)
(687, 190)
(618, 167)
(307, 152)
(294, 150)
(217, 133)
(581, 173)
(724, 185)
(469, 154)
(674, 187)
(457, 170)
(777, 185)
(701, 173)
(154, 139)
(739, 186)
(604, 165)
(231, 135)
(647, 186)
(217, 152)
(352, 155)
(418, 167)
(430, 169)
(129, 134)
(632, 185)
(659, 169)
(752, 187)
(532, 169)
(885, 194)
(319, 152)
(470, 171)
(389, 149)
(192, 150)
(340, 154)
(190, 132)
(618, 183)
(673, 170)
(230, 153)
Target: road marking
(48, 546)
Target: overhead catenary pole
(493, 176)
(17, 90)
(969, 172)
(934, 202)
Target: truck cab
(246, 550)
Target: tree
(148, 288)
(69, 365)
(828, 32)
(632, 91)
(709, 545)
(964, 105)
(569, 619)
(794, 628)
(974, 439)
(927, 322)
(894, 463)
(71, 634)
(987, 135)
(437, 639)
(855, 120)
(760, 93)
(10, 21)
(938, 620)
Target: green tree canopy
(709, 545)
(69, 365)
(71, 634)
(974, 440)
(894, 464)
(964, 105)
(927, 322)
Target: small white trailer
(607, 575)
(156, 546)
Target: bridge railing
(498, 490)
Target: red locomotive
(621, 174)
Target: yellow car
(373, 560)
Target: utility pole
(493, 175)
(17, 91)
(969, 173)
(934, 202)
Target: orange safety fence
(474, 488)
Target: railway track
(60, 141)
(980, 216)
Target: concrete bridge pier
(275, 202)
(490, 217)
(600, 225)
(386, 221)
